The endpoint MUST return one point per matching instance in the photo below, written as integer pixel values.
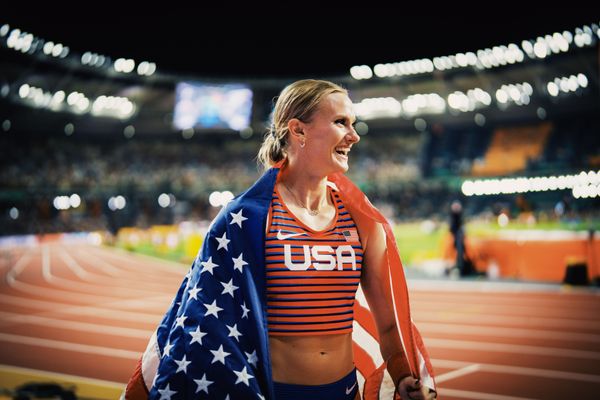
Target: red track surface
(89, 311)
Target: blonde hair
(297, 100)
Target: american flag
(351, 235)
(213, 341)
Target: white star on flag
(243, 376)
(229, 287)
(245, 310)
(197, 335)
(223, 241)
(182, 364)
(233, 331)
(179, 321)
(219, 355)
(208, 265)
(252, 359)
(238, 263)
(166, 393)
(203, 384)
(212, 309)
(194, 292)
(167, 349)
(237, 218)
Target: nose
(353, 136)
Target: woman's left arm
(378, 297)
(374, 282)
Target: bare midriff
(311, 360)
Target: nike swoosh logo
(281, 236)
(349, 390)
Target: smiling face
(329, 136)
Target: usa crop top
(312, 276)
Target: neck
(310, 190)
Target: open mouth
(342, 151)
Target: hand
(410, 388)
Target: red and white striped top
(312, 276)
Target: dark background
(300, 43)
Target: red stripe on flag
(363, 361)
(364, 317)
(136, 388)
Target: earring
(302, 144)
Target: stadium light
(541, 47)
(583, 181)
(13, 213)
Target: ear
(296, 128)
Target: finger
(431, 394)
(415, 385)
(417, 395)
(420, 394)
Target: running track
(88, 311)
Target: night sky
(215, 43)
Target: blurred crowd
(409, 176)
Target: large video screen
(204, 106)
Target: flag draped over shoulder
(213, 341)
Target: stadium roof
(319, 43)
(269, 53)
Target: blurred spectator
(463, 264)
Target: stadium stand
(71, 128)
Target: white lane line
(521, 310)
(107, 313)
(100, 264)
(68, 346)
(561, 301)
(522, 305)
(512, 348)
(465, 394)
(469, 369)
(434, 285)
(99, 289)
(46, 272)
(18, 267)
(66, 295)
(102, 284)
(13, 318)
(128, 279)
(507, 332)
(140, 272)
(148, 262)
(420, 314)
(75, 267)
(71, 295)
(516, 370)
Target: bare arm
(378, 295)
(380, 301)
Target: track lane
(68, 309)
